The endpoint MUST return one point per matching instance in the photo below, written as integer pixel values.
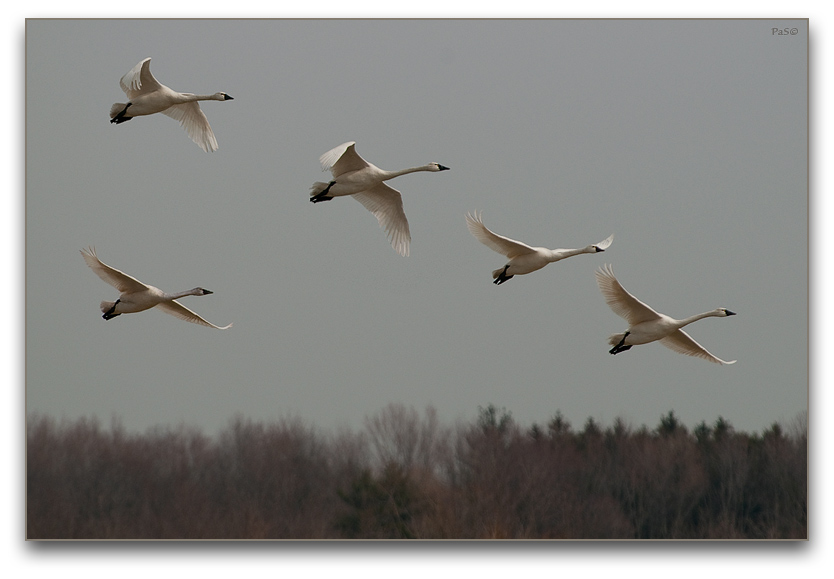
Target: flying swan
(138, 297)
(647, 325)
(353, 175)
(523, 258)
(147, 96)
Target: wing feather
(342, 159)
(178, 310)
(605, 243)
(682, 343)
(139, 80)
(118, 279)
(618, 299)
(503, 245)
(386, 204)
(194, 121)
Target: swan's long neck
(696, 317)
(188, 97)
(391, 174)
(178, 295)
(557, 254)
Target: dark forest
(407, 476)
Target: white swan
(138, 297)
(147, 96)
(523, 258)
(353, 175)
(647, 325)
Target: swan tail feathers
(106, 306)
(615, 339)
(497, 272)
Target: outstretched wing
(178, 310)
(342, 159)
(139, 80)
(618, 299)
(605, 243)
(119, 280)
(503, 245)
(386, 204)
(195, 123)
(682, 343)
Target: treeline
(406, 476)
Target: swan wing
(342, 159)
(618, 299)
(503, 245)
(139, 80)
(195, 123)
(178, 310)
(680, 342)
(605, 243)
(386, 204)
(119, 280)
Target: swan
(647, 325)
(523, 258)
(147, 96)
(137, 296)
(353, 175)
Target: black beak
(207, 292)
(228, 98)
(729, 313)
(442, 168)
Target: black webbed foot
(621, 347)
(121, 118)
(109, 314)
(502, 277)
(323, 196)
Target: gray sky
(686, 139)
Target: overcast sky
(686, 139)
(572, 151)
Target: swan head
(724, 312)
(221, 96)
(198, 291)
(437, 167)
